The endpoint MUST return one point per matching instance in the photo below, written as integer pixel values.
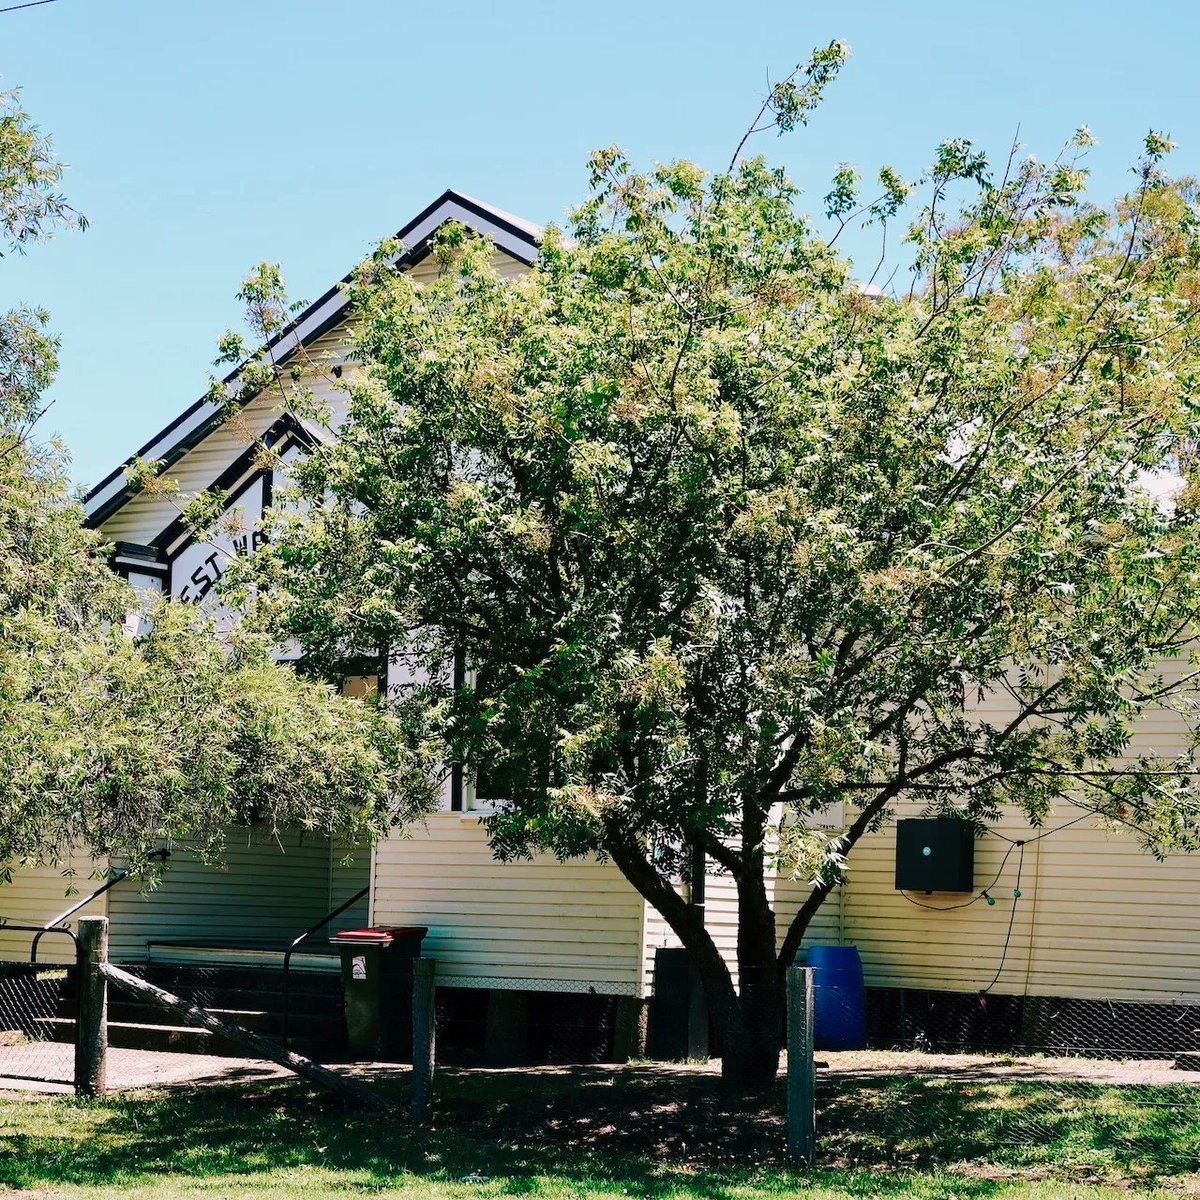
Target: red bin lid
(382, 933)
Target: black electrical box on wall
(935, 855)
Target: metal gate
(38, 1010)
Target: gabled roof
(515, 236)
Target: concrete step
(318, 959)
(269, 998)
(178, 1039)
(260, 1020)
(326, 1026)
(304, 1020)
(245, 984)
(250, 988)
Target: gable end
(517, 238)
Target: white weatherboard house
(1098, 918)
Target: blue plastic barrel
(839, 998)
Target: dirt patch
(979, 1067)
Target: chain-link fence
(1052, 1087)
(1104, 1088)
(37, 1008)
(249, 997)
(475, 1026)
(1086, 1088)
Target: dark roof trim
(512, 235)
(287, 431)
(129, 557)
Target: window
(361, 687)
(489, 787)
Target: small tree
(732, 539)
(109, 742)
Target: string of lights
(982, 894)
(985, 893)
(1012, 916)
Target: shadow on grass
(646, 1132)
(1048, 1126)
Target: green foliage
(693, 499)
(30, 203)
(793, 99)
(30, 209)
(732, 541)
(118, 726)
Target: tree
(731, 538)
(110, 741)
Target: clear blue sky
(204, 135)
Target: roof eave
(516, 237)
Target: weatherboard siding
(539, 923)
(506, 266)
(720, 919)
(1098, 915)
(37, 894)
(544, 922)
(349, 873)
(265, 891)
(144, 516)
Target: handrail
(54, 922)
(39, 930)
(287, 954)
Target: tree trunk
(750, 1036)
(753, 1055)
(748, 1021)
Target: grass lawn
(632, 1132)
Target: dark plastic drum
(839, 998)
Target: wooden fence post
(424, 1047)
(801, 1073)
(91, 1019)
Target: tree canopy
(113, 738)
(731, 537)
